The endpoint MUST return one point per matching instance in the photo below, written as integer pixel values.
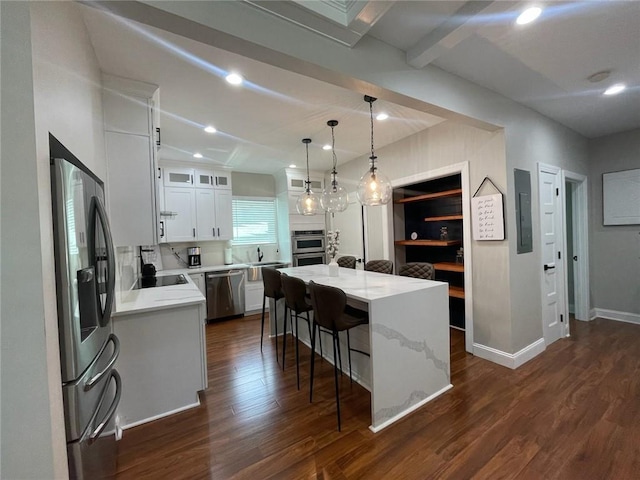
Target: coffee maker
(193, 254)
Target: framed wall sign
(487, 214)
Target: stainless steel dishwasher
(225, 294)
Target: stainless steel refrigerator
(85, 285)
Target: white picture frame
(487, 217)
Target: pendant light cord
(373, 155)
(308, 179)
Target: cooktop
(165, 281)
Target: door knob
(575, 258)
(548, 267)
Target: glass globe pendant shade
(374, 188)
(334, 198)
(308, 203)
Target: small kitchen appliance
(193, 254)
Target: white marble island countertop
(157, 298)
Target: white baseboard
(592, 314)
(162, 415)
(409, 410)
(616, 315)
(510, 360)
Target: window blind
(254, 220)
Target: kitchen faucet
(260, 255)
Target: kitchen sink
(254, 272)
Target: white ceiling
(543, 65)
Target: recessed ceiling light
(615, 89)
(210, 129)
(234, 79)
(382, 116)
(529, 15)
(293, 165)
(326, 147)
(197, 155)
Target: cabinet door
(132, 195)
(205, 214)
(204, 179)
(222, 180)
(178, 177)
(180, 224)
(224, 215)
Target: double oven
(308, 247)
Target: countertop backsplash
(212, 253)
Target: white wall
(614, 250)
(62, 97)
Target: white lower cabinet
(253, 296)
(162, 362)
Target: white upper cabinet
(131, 160)
(296, 182)
(180, 214)
(210, 216)
(178, 177)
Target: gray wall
(614, 250)
(253, 184)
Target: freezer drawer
(225, 294)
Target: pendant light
(334, 197)
(374, 188)
(307, 203)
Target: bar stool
(380, 266)
(272, 289)
(347, 262)
(333, 314)
(418, 270)
(295, 298)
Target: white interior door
(551, 230)
(350, 224)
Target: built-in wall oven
(308, 247)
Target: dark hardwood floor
(571, 413)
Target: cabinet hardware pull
(218, 231)
(158, 143)
(548, 267)
(161, 228)
(191, 179)
(194, 233)
(213, 231)
(159, 172)
(216, 180)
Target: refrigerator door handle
(111, 272)
(98, 376)
(93, 431)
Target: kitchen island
(408, 337)
(162, 359)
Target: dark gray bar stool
(272, 289)
(332, 313)
(418, 270)
(347, 262)
(380, 266)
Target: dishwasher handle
(233, 273)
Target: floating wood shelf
(444, 217)
(449, 267)
(456, 292)
(429, 196)
(428, 243)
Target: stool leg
(335, 375)
(275, 313)
(313, 356)
(339, 352)
(297, 354)
(284, 334)
(320, 336)
(264, 302)
(349, 354)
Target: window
(254, 220)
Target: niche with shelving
(422, 212)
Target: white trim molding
(510, 360)
(615, 315)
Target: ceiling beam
(459, 26)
